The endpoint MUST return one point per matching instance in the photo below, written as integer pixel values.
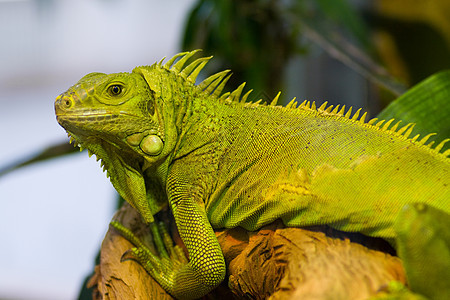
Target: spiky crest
(214, 84)
(292, 104)
(275, 100)
(244, 98)
(236, 94)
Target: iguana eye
(67, 103)
(115, 90)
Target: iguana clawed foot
(163, 266)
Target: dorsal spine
(214, 85)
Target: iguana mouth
(96, 117)
(66, 111)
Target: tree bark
(274, 262)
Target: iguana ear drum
(151, 145)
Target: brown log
(274, 262)
(125, 280)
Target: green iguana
(219, 162)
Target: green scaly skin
(423, 238)
(220, 162)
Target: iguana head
(116, 118)
(118, 109)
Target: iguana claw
(163, 266)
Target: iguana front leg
(206, 267)
(182, 279)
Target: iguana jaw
(83, 130)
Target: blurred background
(54, 214)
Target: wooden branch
(274, 262)
(125, 280)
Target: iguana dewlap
(218, 161)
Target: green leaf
(46, 154)
(428, 105)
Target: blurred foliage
(257, 38)
(50, 152)
(412, 37)
(250, 37)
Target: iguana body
(220, 162)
